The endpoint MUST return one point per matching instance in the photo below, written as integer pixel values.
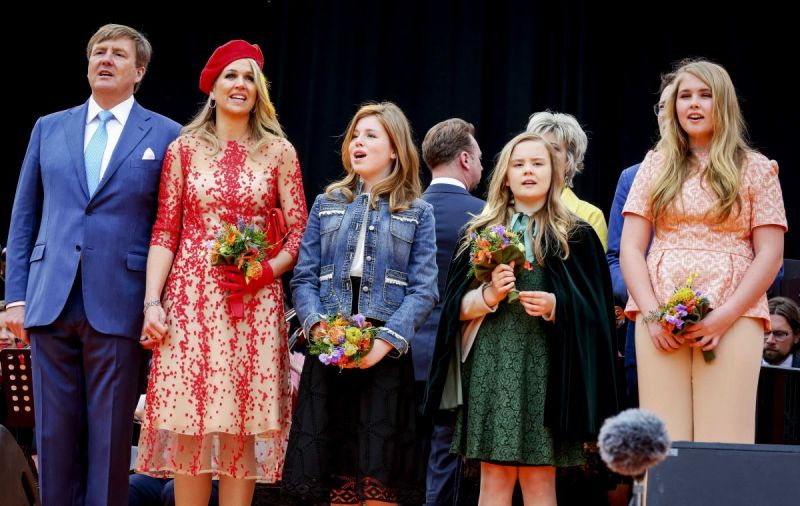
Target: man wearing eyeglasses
(781, 348)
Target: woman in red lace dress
(218, 397)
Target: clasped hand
(154, 327)
(234, 281)
(502, 282)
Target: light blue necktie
(519, 225)
(93, 156)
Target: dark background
(492, 63)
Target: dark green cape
(584, 386)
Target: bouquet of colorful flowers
(492, 246)
(241, 248)
(342, 341)
(242, 245)
(685, 306)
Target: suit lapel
(135, 129)
(74, 130)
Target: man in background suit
(615, 222)
(453, 155)
(80, 231)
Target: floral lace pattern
(218, 398)
(505, 387)
(720, 253)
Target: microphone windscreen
(633, 441)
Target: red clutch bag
(275, 231)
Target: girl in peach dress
(716, 208)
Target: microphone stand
(638, 491)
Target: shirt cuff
(474, 305)
(15, 304)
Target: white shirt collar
(786, 364)
(448, 180)
(121, 111)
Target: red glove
(236, 285)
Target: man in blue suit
(78, 242)
(615, 222)
(453, 155)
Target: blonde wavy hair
(403, 184)
(263, 122)
(554, 222)
(729, 147)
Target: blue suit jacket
(55, 225)
(615, 222)
(453, 207)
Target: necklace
(237, 140)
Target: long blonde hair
(553, 221)
(729, 147)
(403, 184)
(263, 123)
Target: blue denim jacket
(398, 284)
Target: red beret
(223, 55)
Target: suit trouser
(444, 468)
(84, 386)
(699, 401)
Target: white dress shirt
(114, 127)
(357, 267)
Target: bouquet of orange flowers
(342, 341)
(492, 246)
(685, 306)
(242, 245)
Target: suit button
(371, 228)
(365, 289)
(368, 259)
(77, 247)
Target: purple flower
(240, 223)
(337, 354)
(358, 319)
(674, 320)
(325, 358)
(209, 244)
(499, 230)
(680, 309)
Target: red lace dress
(218, 397)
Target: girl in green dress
(538, 374)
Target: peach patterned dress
(720, 253)
(218, 398)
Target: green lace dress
(504, 382)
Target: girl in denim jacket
(369, 248)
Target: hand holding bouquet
(240, 250)
(685, 306)
(492, 246)
(342, 341)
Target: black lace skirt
(356, 434)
